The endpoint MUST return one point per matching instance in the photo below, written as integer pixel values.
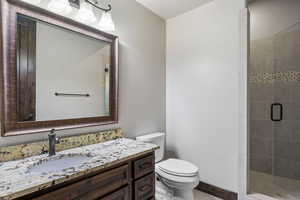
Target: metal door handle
(281, 112)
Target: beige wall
(142, 73)
(203, 90)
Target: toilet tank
(159, 140)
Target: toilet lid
(178, 167)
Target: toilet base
(183, 194)
(162, 192)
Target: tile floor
(203, 196)
(259, 197)
(277, 187)
(163, 193)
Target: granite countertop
(17, 180)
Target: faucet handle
(53, 135)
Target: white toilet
(174, 176)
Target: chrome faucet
(53, 140)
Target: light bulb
(60, 6)
(33, 1)
(106, 23)
(86, 14)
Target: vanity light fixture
(106, 23)
(86, 14)
(95, 3)
(60, 6)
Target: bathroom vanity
(131, 179)
(121, 169)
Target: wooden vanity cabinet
(133, 179)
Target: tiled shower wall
(261, 98)
(275, 78)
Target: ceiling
(171, 8)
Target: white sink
(59, 163)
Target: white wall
(269, 17)
(142, 73)
(171, 8)
(68, 62)
(203, 94)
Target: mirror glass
(61, 74)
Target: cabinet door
(91, 188)
(144, 188)
(122, 194)
(144, 166)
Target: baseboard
(217, 192)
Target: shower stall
(274, 85)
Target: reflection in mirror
(61, 74)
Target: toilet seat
(178, 171)
(178, 168)
(188, 181)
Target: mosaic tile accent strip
(17, 152)
(289, 76)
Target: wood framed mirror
(56, 73)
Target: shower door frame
(243, 140)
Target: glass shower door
(285, 112)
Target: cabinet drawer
(122, 194)
(144, 166)
(144, 188)
(91, 188)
